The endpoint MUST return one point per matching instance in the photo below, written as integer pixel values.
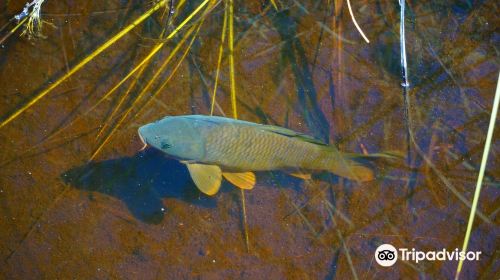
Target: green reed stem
(219, 59)
(480, 177)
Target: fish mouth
(143, 142)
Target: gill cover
(178, 137)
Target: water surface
(137, 214)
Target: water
(137, 214)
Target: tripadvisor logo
(387, 255)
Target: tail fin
(353, 170)
(348, 165)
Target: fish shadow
(141, 182)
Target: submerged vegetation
(74, 94)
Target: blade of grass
(341, 215)
(245, 223)
(344, 245)
(301, 7)
(120, 102)
(335, 35)
(446, 182)
(13, 30)
(274, 5)
(231, 59)
(34, 25)
(356, 23)
(204, 79)
(219, 59)
(209, 8)
(82, 63)
(406, 106)
(58, 143)
(155, 50)
(309, 201)
(480, 177)
(103, 98)
(303, 217)
(235, 111)
(140, 65)
(159, 71)
(139, 97)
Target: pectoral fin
(243, 180)
(206, 177)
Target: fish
(214, 147)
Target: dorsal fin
(290, 133)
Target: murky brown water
(131, 214)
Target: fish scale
(249, 148)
